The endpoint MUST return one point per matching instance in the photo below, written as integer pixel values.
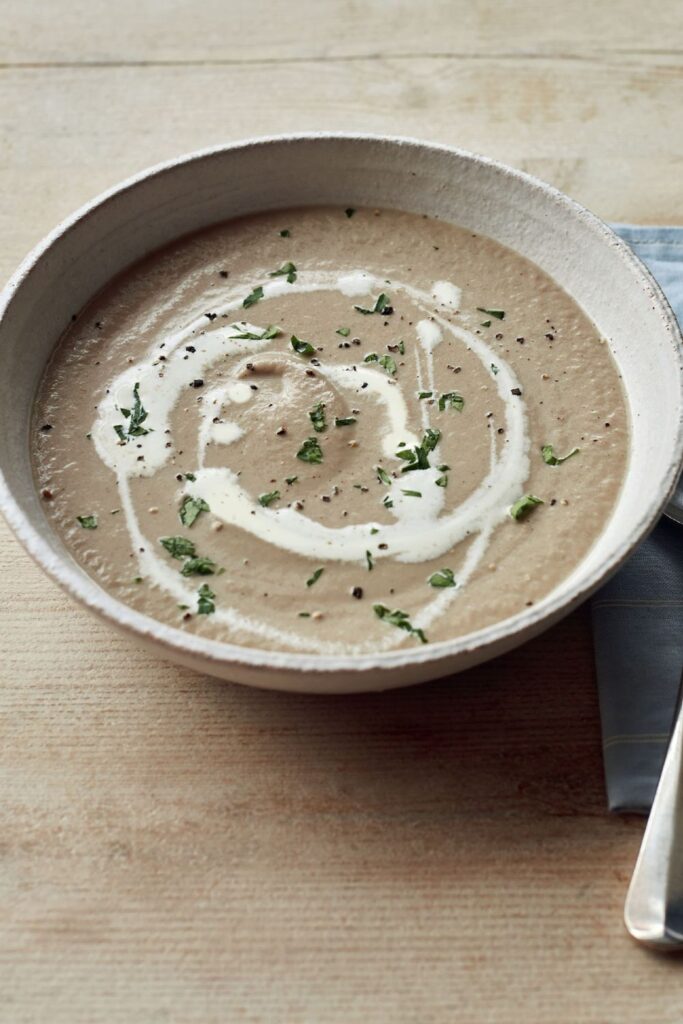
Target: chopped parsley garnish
(485, 323)
(205, 600)
(253, 297)
(349, 211)
(451, 400)
(287, 270)
(138, 579)
(524, 505)
(499, 314)
(291, 479)
(382, 305)
(368, 559)
(88, 522)
(382, 475)
(494, 369)
(402, 348)
(387, 502)
(285, 233)
(344, 421)
(191, 508)
(135, 416)
(399, 619)
(443, 469)
(441, 481)
(425, 394)
(315, 577)
(304, 615)
(178, 547)
(442, 578)
(304, 348)
(412, 494)
(551, 459)
(388, 364)
(190, 476)
(317, 417)
(344, 331)
(418, 457)
(268, 499)
(271, 331)
(310, 451)
(200, 566)
(371, 357)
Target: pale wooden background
(174, 849)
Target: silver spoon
(654, 904)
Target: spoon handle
(654, 905)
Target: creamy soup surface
(333, 431)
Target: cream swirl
(420, 531)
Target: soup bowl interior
(146, 212)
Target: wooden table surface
(180, 850)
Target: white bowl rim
(223, 653)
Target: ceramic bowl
(151, 209)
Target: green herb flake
(178, 547)
(190, 476)
(315, 577)
(138, 579)
(287, 270)
(499, 314)
(200, 566)
(371, 357)
(368, 559)
(373, 530)
(402, 348)
(412, 494)
(285, 233)
(253, 297)
(349, 211)
(291, 480)
(418, 457)
(441, 481)
(442, 578)
(271, 331)
(551, 459)
(317, 417)
(485, 323)
(524, 505)
(344, 421)
(451, 400)
(191, 508)
(382, 475)
(135, 416)
(399, 619)
(88, 522)
(310, 451)
(494, 369)
(387, 502)
(268, 499)
(382, 303)
(344, 331)
(303, 348)
(388, 364)
(425, 394)
(304, 615)
(205, 600)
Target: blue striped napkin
(638, 614)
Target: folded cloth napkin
(638, 614)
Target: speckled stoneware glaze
(151, 209)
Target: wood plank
(242, 30)
(67, 133)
